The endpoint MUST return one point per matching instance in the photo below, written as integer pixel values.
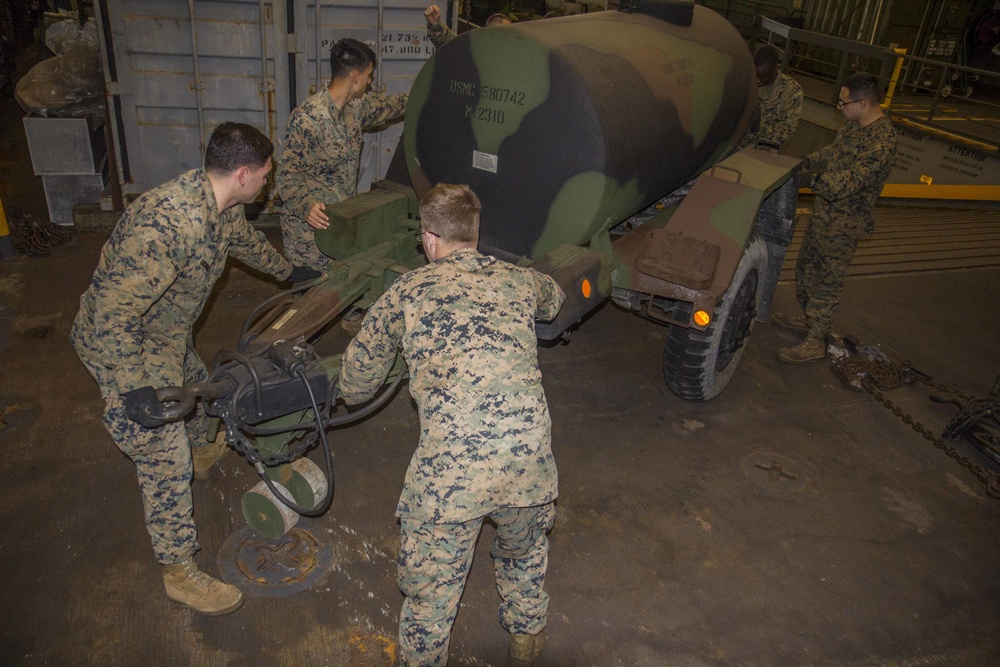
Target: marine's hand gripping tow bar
(152, 408)
(182, 400)
(254, 389)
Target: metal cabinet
(70, 156)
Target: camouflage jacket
(465, 324)
(852, 170)
(322, 153)
(439, 34)
(780, 109)
(154, 276)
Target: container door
(399, 36)
(175, 69)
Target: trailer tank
(565, 127)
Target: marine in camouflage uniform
(849, 177)
(853, 170)
(465, 325)
(440, 34)
(779, 99)
(134, 330)
(780, 109)
(322, 154)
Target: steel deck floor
(670, 548)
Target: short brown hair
(235, 145)
(452, 212)
(863, 86)
(348, 55)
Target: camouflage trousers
(300, 243)
(434, 561)
(827, 250)
(162, 458)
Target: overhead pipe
(860, 20)
(916, 45)
(822, 16)
(844, 20)
(875, 22)
(884, 23)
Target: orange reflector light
(585, 288)
(701, 318)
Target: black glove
(804, 179)
(141, 405)
(300, 274)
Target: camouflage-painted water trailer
(565, 127)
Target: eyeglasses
(841, 103)
(434, 234)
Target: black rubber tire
(697, 365)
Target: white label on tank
(484, 161)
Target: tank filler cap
(678, 12)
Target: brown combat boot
(794, 323)
(190, 587)
(524, 649)
(810, 350)
(205, 458)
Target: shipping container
(175, 69)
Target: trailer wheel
(697, 365)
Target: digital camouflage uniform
(440, 34)
(851, 172)
(465, 324)
(780, 109)
(320, 163)
(134, 329)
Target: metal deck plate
(275, 568)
